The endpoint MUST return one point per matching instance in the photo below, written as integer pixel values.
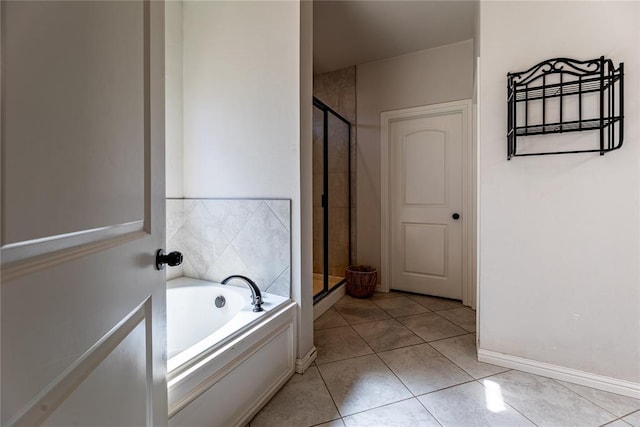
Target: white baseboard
(600, 382)
(302, 364)
(325, 303)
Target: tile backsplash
(221, 237)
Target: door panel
(425, 190)
(85, 59)
(122, 368)
(82, 307)
(420, 240)
(425, 162)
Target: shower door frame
(326, 110)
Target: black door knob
(172, 259)
(456, 216)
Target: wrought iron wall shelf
(565, 95)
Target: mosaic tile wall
(221, 237)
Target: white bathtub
(212, 351)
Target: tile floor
(400, 359)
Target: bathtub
(224, 362)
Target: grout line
(351, 357)
(331, 327)
(381, 406)
(274, 280)
(511, 406)
(253, 213)
(452, 336)
(451, 360)
(266, 202)
(585, 398)
(396, 375)
(329, 392)
(428, 411)
(446, 388)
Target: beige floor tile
(422, 369)
(434, 303)
(545, 402)
(462, 316)
(617, 423)
(362, 383)
(385, 295)
(406, 413)
(329, 319)
(471, 404)
(401, 306)
(430, 326)
(462, 351)
(364, 311)
(303, 401)
(633, 419)
(339, 343)
(347, 299)
(386, 335)
(334, 423)
(616, 404)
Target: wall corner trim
(302, 364)
(600, 382)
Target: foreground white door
(426, 149)
(82, 307)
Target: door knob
(172, 259)
(456, 216)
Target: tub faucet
(256, 295)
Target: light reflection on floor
(493, 396)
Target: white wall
(559, 235)
(427, 77)
(173, 98)
(241, 99)
(242, 120)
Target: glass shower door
(331, 199)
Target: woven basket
(361, 280)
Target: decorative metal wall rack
(565, 95)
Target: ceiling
(351, 32)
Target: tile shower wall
(337, 89)
(220, 237)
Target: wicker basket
(361, 280)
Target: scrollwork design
(557, 65)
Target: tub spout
(256, 295)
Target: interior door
(426, 166)
(82, 306)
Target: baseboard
(325, 303)
(600, 382)
(302, 364)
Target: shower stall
(332, 214)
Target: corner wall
(560, 235)
(242, 115)
(427, 77)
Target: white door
(82, 307)
(426, 150)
